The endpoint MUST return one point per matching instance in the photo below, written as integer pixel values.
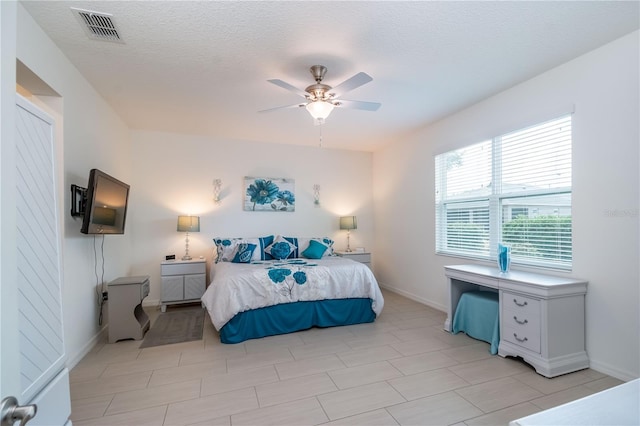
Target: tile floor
(401, 370)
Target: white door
(32, 330)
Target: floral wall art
(269, 194)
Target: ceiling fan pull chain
(320, 146)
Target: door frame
(9, 343)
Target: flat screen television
(105, 211)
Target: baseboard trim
(612, 371)
(73, 361)
(414, 297)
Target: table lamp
(188, 224)
(348, 223)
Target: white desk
(541, 316)
(618, 406)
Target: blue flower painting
(269, 194)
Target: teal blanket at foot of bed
(477, 316)
(295, 316)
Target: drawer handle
(520, 304)
(519, 339)
(520, 322)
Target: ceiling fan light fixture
(319, 110)
(320, 98)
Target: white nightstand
(183, 281)
(362, 257)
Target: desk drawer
(525, 307)
(521, 329)
(528, 339)
(520, 321)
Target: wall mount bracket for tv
(78, 200)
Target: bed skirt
(296, 316)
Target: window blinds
(514, 189)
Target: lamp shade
(348, 222)
(188, 223)
(319, 109)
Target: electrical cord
(99, 281)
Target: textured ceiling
(202, 67)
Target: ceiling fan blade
(300, 105)
(367, 106)
(288, 87)
(351, 83)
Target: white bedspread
(239, 287)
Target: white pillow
(226, 247)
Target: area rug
(176, 326)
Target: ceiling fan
(322, 98)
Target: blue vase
(504, 258)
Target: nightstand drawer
(144, 290)
(183, 268)
(358, 257)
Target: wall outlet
(105, 296)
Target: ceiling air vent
(98, 25)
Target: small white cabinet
(542, 317)
(361, 257)
(183, 281)
(127, 319)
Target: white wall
(93, 136)
(173, 175)
(603, 86)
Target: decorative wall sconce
(217, 186)
(316, 195)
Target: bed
(264, 297)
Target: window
(514, 189)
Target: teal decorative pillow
(315, 250)
(243, 253)
(280, 248)
(263, 243)
(303, 243)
